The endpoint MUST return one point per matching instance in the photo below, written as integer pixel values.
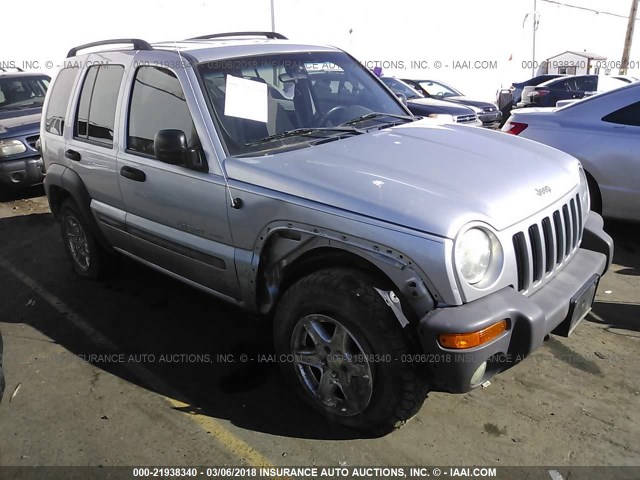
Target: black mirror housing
(170, 146)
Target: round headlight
(473, 255)
(584, 193)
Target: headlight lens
(585, 200)
(443, 118)
(11, 147)
(473, 255)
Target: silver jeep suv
(393, 255)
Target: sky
(489, 42)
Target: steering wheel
(340, 114)
(331, 118)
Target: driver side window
(157, 103)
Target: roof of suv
(217, 46)
(5, 74)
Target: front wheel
(342, 348)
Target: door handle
(133, 174)
(73, 155)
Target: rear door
(619, 163)
(176, 216)
(91, 144)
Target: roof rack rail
(270, 35)
(136, 42)
(17, 69)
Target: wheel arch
(62, 183)
(289, 254)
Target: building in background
(575, 63)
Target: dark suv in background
(21, 98)
(487, 112)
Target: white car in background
(603, 132)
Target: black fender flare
(69, 182)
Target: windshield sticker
(246, 99)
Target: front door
(176, 215)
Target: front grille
(32, 141)
(546, 245)
(466, 118)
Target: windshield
(294, 100)
(398, 86)
(437, 89)
(19, 93)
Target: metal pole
(535, 13)
(626, 52)
(273, 17)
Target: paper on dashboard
(246, 99)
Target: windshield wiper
(305, 132)
(378, 116)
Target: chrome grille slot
(574, 223)
(536, 251)
(567, 230)
(579, 215)
(557, 224)
(547, 243)
(522, 260)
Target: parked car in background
(625, 78)
(21, 97)
(508, 98)
(547, 94)
(487, 112)
(603, 132)
(444, 112)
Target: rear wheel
(343, 350)
(88, 258)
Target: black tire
(594, 194)
(348, 297)
(99, 263)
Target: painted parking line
(234, 444)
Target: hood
(15, 123)
(462, 100)
(432, 178)
(431, 105)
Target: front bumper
(490, 119)
(23, 172)
(530, 319)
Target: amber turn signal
(473, 339)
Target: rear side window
(588, 84)
(96, 114)
(60, 94)
(157, 103)
(629, 115)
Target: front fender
(282, 244)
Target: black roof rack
(136, 42)
(271, 35)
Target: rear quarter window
(59, 101)
(629, 115)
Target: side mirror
(402, 97)
(171, 146)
